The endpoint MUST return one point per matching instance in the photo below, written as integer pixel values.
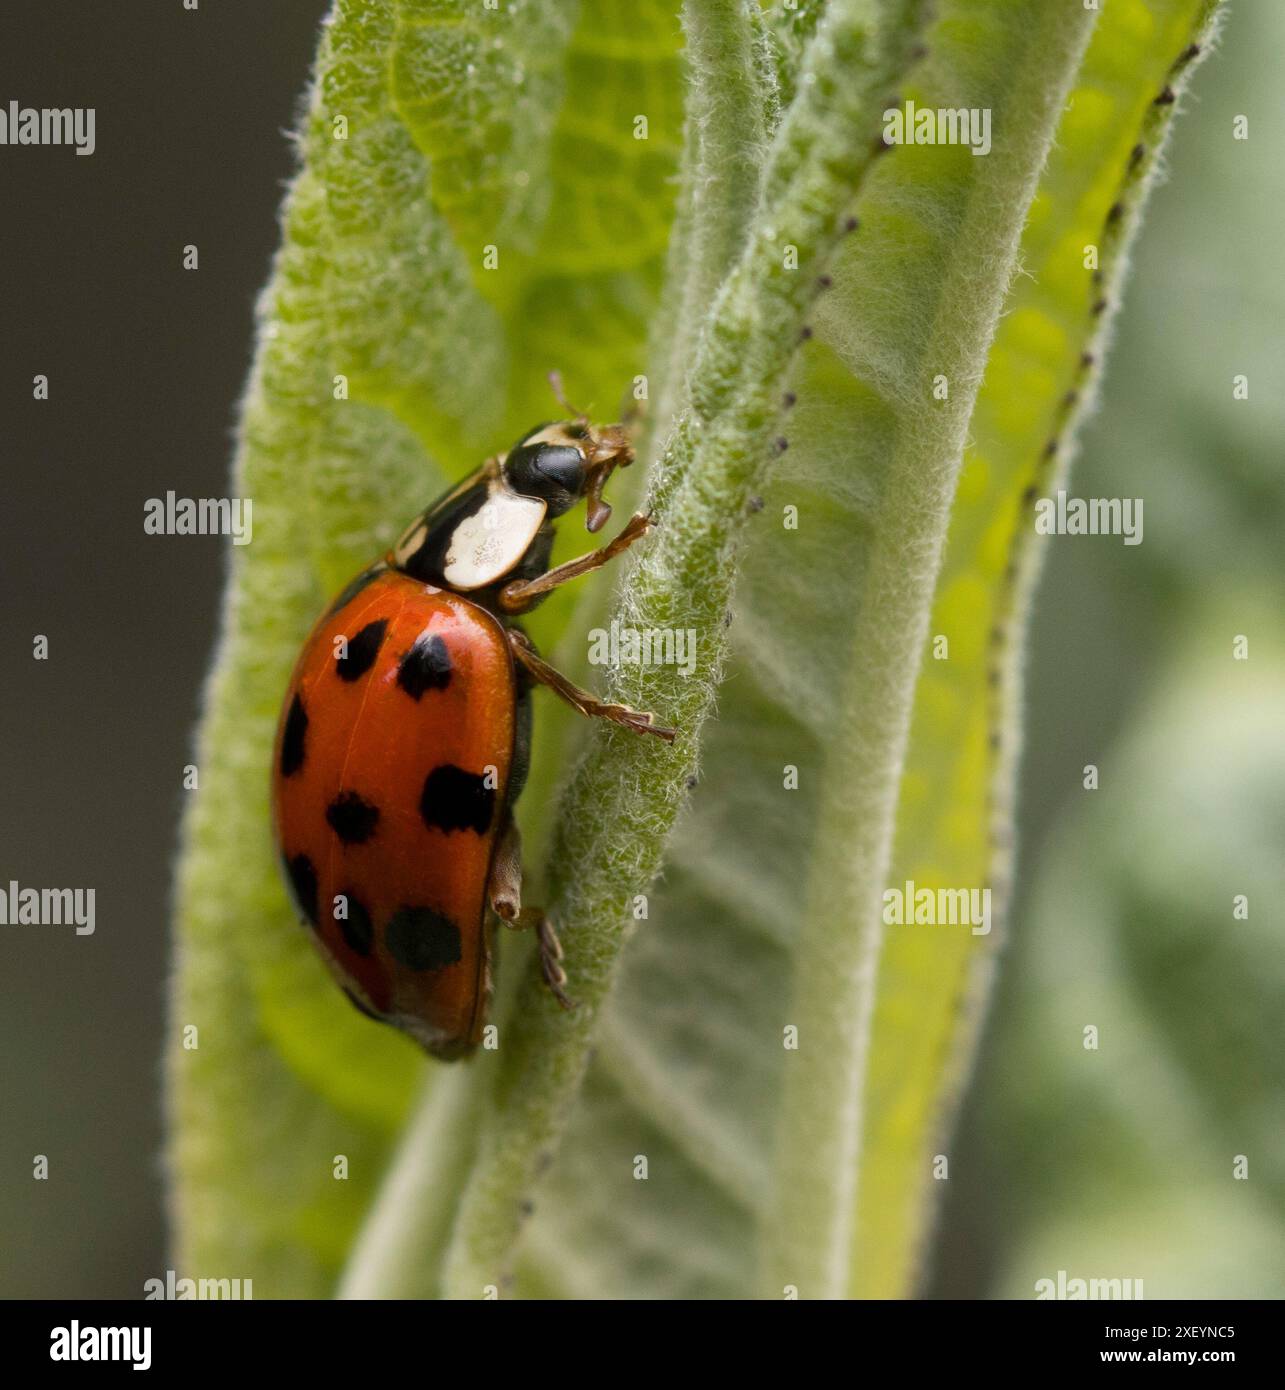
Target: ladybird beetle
(405, 737)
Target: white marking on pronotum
(487, 545)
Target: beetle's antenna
(559, 395)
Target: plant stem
(394, 1258)
(723, 162)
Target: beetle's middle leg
(543, 674)
(504, 892)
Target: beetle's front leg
(504, 892)
(518, 596)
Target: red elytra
(364, 829)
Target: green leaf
(490, 214)
(381, 280)
(955, 819)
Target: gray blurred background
(1114, 1163)
(145, 362)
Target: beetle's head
(563, 462)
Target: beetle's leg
(551, 958)
(504, 892)
(504, 887)
(518, 596)
(541, 672)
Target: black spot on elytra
(456, 800)
(352, 818)
(292, 740)
(356, 927)
(421, 939)
(355, 586)
(303, 880)
(427, 666)
(362, 651)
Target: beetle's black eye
(563, 467)
(553, 472)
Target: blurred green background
(1119, 1162)
(1109, 1163)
